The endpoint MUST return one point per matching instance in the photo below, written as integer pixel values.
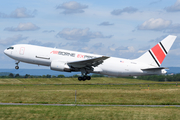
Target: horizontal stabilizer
(158, 68)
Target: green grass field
(87, 113)
(91, 94)
(55, 91)
(117, 91)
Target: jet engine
(60, 66)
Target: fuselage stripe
(154, 58)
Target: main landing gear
(84, 76)
(17, 67)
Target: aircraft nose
(5, 51)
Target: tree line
(174, 77)
(160, 78)
(11, 75)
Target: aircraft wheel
(84, 78)
(79, 78)
(17, 67)
(88, 77)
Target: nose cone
(5, 51)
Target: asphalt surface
(26, 104)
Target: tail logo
(158, 53)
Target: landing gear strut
(84, 75)
(17, 67)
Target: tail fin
(156, 55)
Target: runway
(83, 105)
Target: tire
(84, 78)
(79, 78)
(17, 67)
(88, 77)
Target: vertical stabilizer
(156, 55)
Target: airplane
(70, 61)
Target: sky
(122, 28)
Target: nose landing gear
(17, 67)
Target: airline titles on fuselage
(63, 53)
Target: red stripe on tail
(158, 52)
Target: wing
(87, 63)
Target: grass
(157, 94)
(63, 91)
(87, 113)
(100, 80)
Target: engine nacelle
(60, 66)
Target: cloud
(105, 24)
(174, 8)
(122, 48)
(19, 13)
(158, 39)
(155, 2)
(48, 31)
(98, 45)
(125, 52)
(83, 35)
(174, 28)
(62, 45)
(75, 44)
(72, 7)
(160, 25)
(122, 51)
(2, 15)
(47, 44)
(129, 10)
(155, 24)
(23, 27)
(12, 40)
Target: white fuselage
(112, 66)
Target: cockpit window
(10, 48)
